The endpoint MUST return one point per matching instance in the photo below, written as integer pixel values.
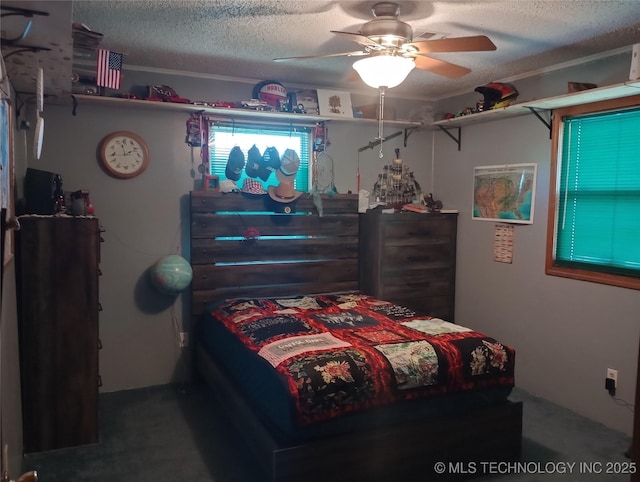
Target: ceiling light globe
(384, 70)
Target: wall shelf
(481, 117)
(598, 94)
(624, 89)
(230, 113)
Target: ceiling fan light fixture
(384, 70)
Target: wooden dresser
(410, 259)
(58, 328)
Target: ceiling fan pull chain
(381, 121)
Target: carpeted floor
(169, 433)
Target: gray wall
(147, 217)
(566, 333)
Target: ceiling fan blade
(357, 53)
(475, 43)
(352, 76)
(440, 67)
(356, 37)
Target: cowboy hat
(284, 192)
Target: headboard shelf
(211, 201)
(241, 247)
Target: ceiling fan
(387, 37)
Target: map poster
(504, 193)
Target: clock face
(124, 154)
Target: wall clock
(124, 154)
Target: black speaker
(40, 188)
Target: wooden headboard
(296, 253)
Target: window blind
(222, 138)
(598, 224)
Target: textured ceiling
(241, 38)
(50, 31)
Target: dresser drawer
(416, 257)
(425, 283)
(417, 230)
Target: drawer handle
(203, 225)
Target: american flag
(109, 72)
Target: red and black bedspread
(345, 352)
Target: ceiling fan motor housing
(386, 29)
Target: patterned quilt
(345, 352)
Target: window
(223, 137)
(594, 222)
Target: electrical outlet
(184, 340)
(611, 382)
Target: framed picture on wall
(210, 183)
(334, 103)
(504, 193)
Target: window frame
(306, 166)
(551, 268)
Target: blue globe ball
(171, 274)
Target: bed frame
(241, 247)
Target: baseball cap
(270, 163)
(289, 165)
(254, 160)
(251, 186)
(235, 164)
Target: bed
(275, 295)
